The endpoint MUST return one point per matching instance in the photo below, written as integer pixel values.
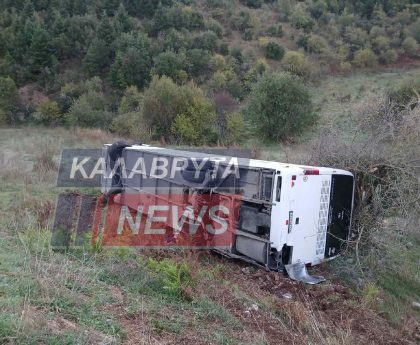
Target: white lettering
(187, 214)
(126, 215)
(99, 168)
(152, 218)
(155, 167)
(142, 171)
(218, 219)
(79, 167)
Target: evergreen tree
(97, 56)
(39, 50)
(105, 30)
(131, 67)
(122, 20)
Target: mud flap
(299, 273)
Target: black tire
(189, 175)
(115, 151)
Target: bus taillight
(311, 172)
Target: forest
(190, 71)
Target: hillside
(97, 64)
(319, 82)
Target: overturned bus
(286, 214)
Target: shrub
(131, 124)
(365, 58)
(274, 51)
(275, 30)
(389, 56)
(9, 97)
(295, 63)
(345, 67)
(217, 62)
(194, 125)
(198, 61)
(206, 40)
(130, 101)
(300, 20)
(248, 35)
(280, 106)
(410, 46)
(177, 112)
(406, 93)
(89, 110)
(131, 67)
(175, 277)
(316, 44)
(252, 3)
(170, 64)
(49, 112)
(4, 118)
(236, 129)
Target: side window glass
(278, 188)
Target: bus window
(278, 188)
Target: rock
(247, 313)
(287, 295)
(415, 305)
(254, 307)
(246, 270)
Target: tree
(131, 67)
(410, 46)
(9, 97)
(170, 64)
(181, 113)
(122, 20)
(130, 101)
(274, 51)
(39, 50)
(365, 58)
(49, 112)
(89, 110)
(105, 30)
(295, 63)
(280, 106)
(97, 56)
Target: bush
(175, 277)
(170, 64)
(274, 51)
(316, 44)
(365, 58)
(195, 124)
(410, 46)
(4, 118)
(132, 125)
(49, 112)
(295, 63)
(9, 97)
(280, 106)
(236, 129)
(300, 20)
(406, 93)
(131, 100)
(131, 67)
(389, 56)
(275, 30)
(252, 3)
(177, 112)
(89, 110)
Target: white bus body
(289, 213)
